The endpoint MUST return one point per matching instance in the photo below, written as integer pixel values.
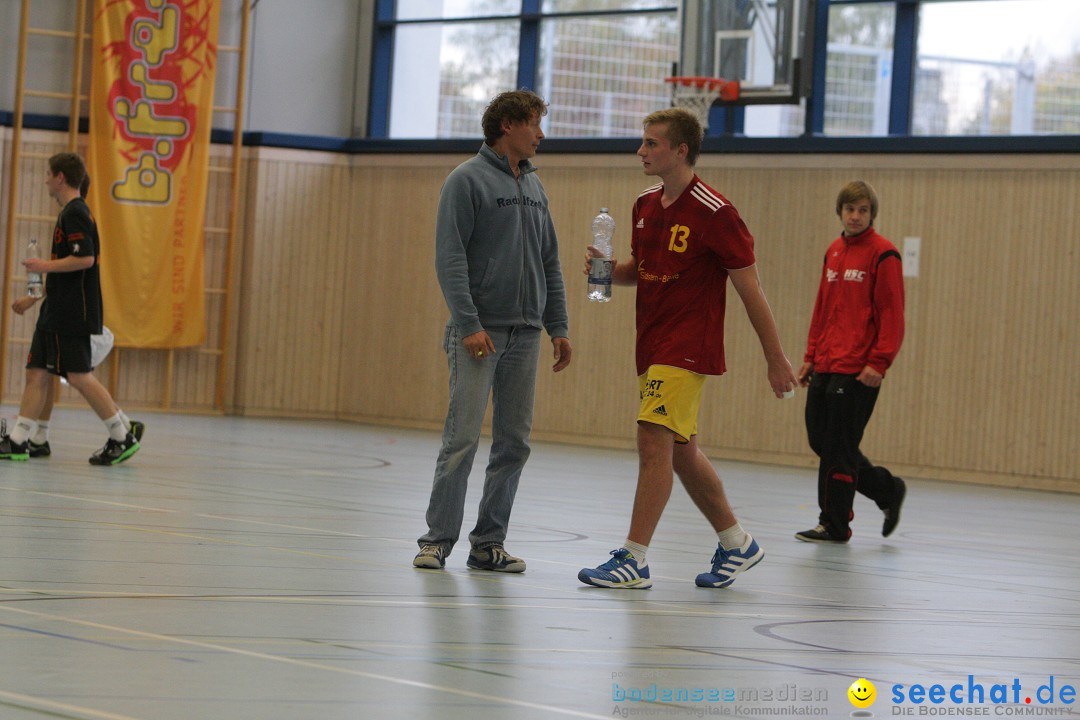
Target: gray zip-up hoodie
(496, 254)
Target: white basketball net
(696, 100)
(697, 94)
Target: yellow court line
(43, 704)
(307, 664)
(84, 499)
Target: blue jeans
(509, 376)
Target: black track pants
(838, 407)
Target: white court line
(202, 515)
(346, 600)
(41, 703)
(317, 531)
(302, 663)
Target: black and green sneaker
(10, 450)
(137, 429)
(115, 452)
(38, 451)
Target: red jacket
(859, 313)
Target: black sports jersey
(72, 303)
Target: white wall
(48, 59)
(307, 69)
(304, 67)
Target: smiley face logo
(862, 693)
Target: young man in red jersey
(855, 334)
(687, 241)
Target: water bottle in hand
(34, 284)
(603, 230)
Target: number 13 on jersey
(679, 234)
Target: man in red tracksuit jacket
(855, 334)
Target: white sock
(24, 428)
(41, 436)
(733, 537)
(116, 428)
(638, 551)
(125, 420)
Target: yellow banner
(151, 106)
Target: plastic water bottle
(34, 285)
(603, 230)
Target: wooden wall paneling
(293, 282)
(327, 271)
(339, 313)
(594, 400)
(5, 169)
(263, 253)
(953, 313)
(141, 381)
(259, 253)
(393, 368)
(242, 361)
(740, 411)
(194, 374)
(1060, 341)
(905, 212)
(246, 199)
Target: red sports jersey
(683, 254)
(859, 313)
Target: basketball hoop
(697, 94)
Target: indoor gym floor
(246, 568)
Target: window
(1018, 74)
(445, 74)
(858, 72)
(858, 78)
(890, 67)
(602, 75)
(600, 64)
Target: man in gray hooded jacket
(497, 260)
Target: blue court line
(61, 636)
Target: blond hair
(683, 127)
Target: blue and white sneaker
(727, 564)
(621, 571)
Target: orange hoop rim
(728, 90)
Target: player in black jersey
(70, 314)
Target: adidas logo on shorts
(660, 411)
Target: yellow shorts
(670, 397)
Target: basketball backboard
(765, 45)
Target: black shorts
(59, 354)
